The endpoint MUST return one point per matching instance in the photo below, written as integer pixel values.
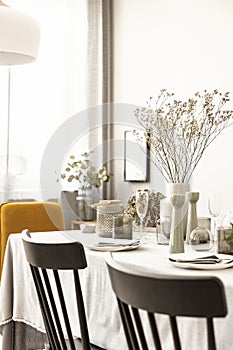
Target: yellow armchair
(35, 216)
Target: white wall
(184, 46)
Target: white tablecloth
(18, 300)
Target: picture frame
(136, 156)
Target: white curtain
(68, 77)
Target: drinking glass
(141, 206)
(214, 205)
(122, 227)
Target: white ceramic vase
(166, 209)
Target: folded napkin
(87, 228)
(211, 259)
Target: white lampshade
(19, 37)
(16, 166)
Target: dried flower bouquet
(153, 213)
(178, 132)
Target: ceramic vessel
(166, 209)
(176, 244)
(192, 198)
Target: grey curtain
(99, 76)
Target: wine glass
(141, 206)
(214, 205)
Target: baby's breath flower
(178, 132)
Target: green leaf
(70, 178)
(105, 178)
(98, 183)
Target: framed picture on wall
(136, 157)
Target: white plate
(112, 248)
(193, 266)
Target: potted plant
(88, 177)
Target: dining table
(21, 323)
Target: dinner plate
(225, 264)
(114, 247)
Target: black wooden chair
(170, 295)
(57, 256)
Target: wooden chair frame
(170, 295)
(43, 257)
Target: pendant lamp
(19, 37)
(19, 43)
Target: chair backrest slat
(130, 328)
(34, 272)
(46, 260)
(154, 330)
(64, 311)
(126, 330)
(140, 330)
(53, 308)
(81, 311)
(170, 295)
(45, 309)
(211, 337)
(175, 333)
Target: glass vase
(84, 200)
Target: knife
(201, 260)
(106, 244)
